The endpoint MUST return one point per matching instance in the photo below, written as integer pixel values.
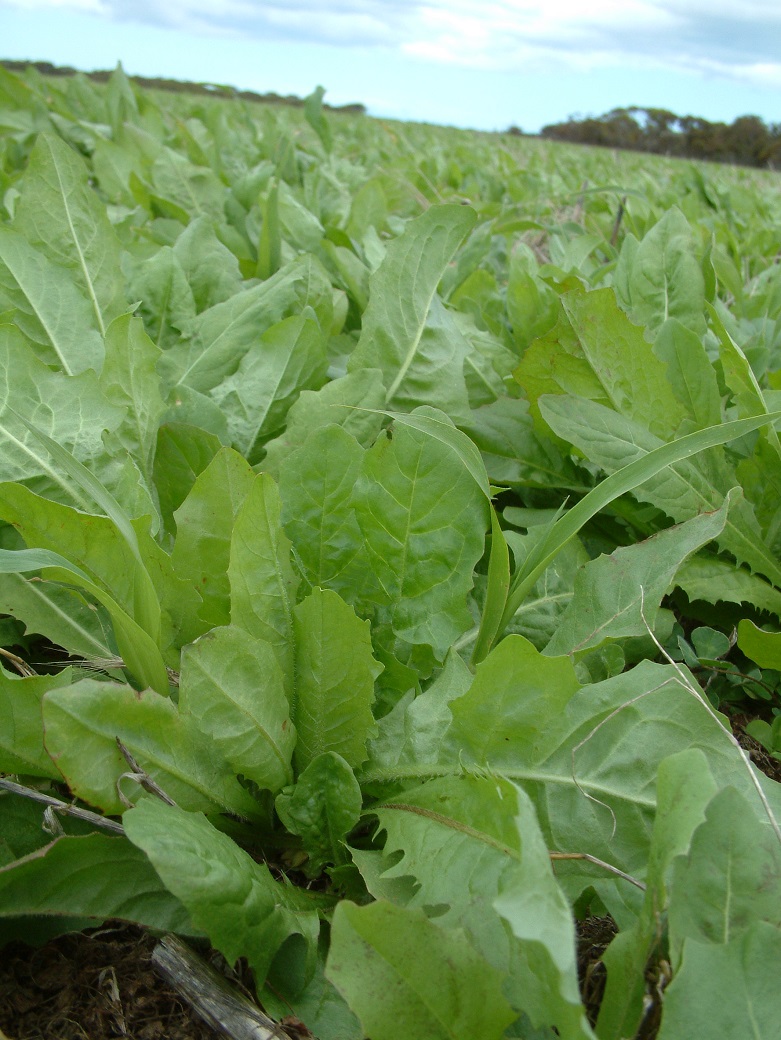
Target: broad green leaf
(404, 332)
(661, 276)
(728, 990)
(404, 976)
(60, 214)
(211, 269)
(438, 426)
(194, 189)
(183, 451)
(311, 997)
(94, 876)
(514, 454)
(316, 485)
(107, 552)
(334, 680)
(413, 731)
(140, 653)
(349, 402)
(684, 788)
(322, 808)
(129, 380)
(60, 614)
(729, 880)
(548, 684)
(165, 300)
(83, 723)
(618, 596)
(289, 357)
(233, 899)
(423, 519)
(682, 487)
(537, 618)
(204, 525)
(49, 307)
(223, 334)
(690, 372)
(262, 581)
(231, 685)
(545, 975)
(21, 726)
(71, 410)
(598, 354)
(717, 580)
(764, 648)
(574, 752)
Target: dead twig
(210, 995)
(61, 807)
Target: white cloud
(738, 39)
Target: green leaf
(405, 333)
(618, 596)
(496, 590)
(233, 899)
(231, 685)
(262, 582)
(668, 480)
(222, 335)
(690, 372)
(166, 301)
(322, 808)
(71, 410)
(270, 244)
(334, 680)
(404, 976)
(316, 485)
(83, 722)
(183, 451)
(349, 402)
(106, 547)
(204, 525)
(721, 992)
(684, 788)
(717, 580)
(289, 357)
(94, 876)
(60, 214)
(423, 519)
(212, 270)
(129, 380)
(21, 725)
(597, 354)
(545, 981)
(140, 653)
(60, 614)
(730, 879)
(764, 648)
(574, 752)
(49, 307)
(313, 111)
(661, 277)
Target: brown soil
(91, 986)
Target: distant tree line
(180, 86)
(748, 141)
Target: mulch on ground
(96, 985)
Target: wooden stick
(210, 995)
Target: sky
(485, 64)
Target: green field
(390, 521)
